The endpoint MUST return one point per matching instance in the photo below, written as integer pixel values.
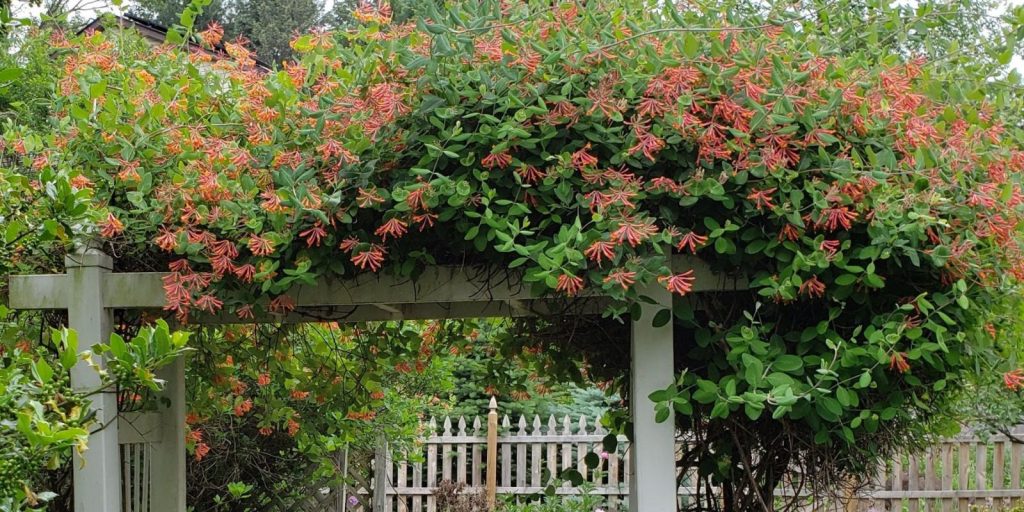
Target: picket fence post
(492, 455)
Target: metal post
(167, 487)
(653, 465)
(97, 480)
(492, 455)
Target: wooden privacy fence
(953, 475)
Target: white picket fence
(529, 452)
(953, 475)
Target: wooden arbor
(90, 291)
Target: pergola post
(97, 480)
(653, 464)
(167, 488)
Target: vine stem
(749, 471)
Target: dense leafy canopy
(871, 198)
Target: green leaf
(610, 443)
(753, 369)
(789, 363)
(14, 228)
(661, 414)
(572, 476)
(753, 411)
(720, 410)
(118, 348)
(691, 47)
(846, 279)
(662, 318)
(10, 74)
(42, 371)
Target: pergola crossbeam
(436, 287)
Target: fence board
(506, 454)
(912, 482)
(535, 454)
(477, 470)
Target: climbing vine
(872, 204)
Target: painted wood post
(342, 502)
(653, 464)
(97, 480)
(492, 455)
(168, 470)
(380, 477)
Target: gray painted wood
(653, 465)
(97, 480)
(168, 471)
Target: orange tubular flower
(314, 235)
(372, 259)
(834, 218)
(624, 278)
(812, 287)
(261, 246)
(395, 228)
(762, 199)
(497, 160)
(830, 248)
(582, 159)
(569, 284)
(1014, 380)
(679, 284)
(201, 450)
(898, 362)
(691, 241)
(600, 251)
(111, 227)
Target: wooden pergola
(90, 291)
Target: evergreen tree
(270, 25)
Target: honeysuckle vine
(871, 198)
(868, 201)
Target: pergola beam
(436, 286)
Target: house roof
(154, 32)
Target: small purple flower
(353, 501)
(603, 455)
